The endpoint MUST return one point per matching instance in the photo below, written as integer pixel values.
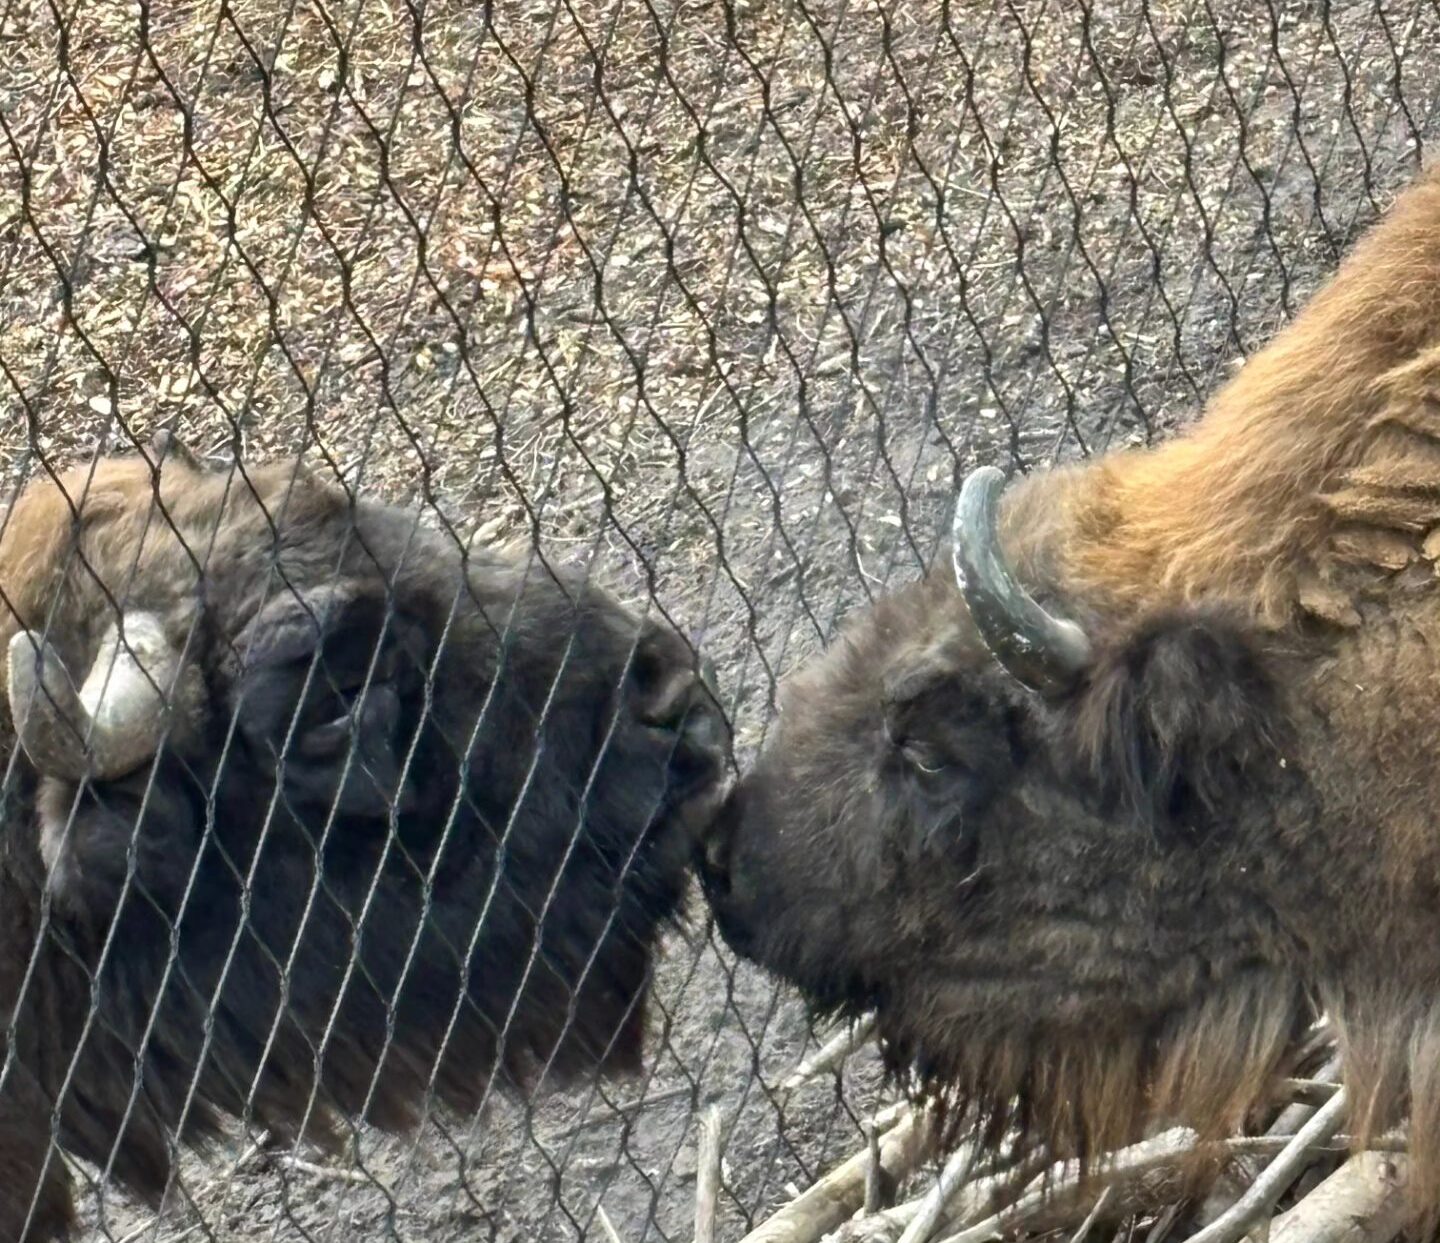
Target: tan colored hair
(1322, 452)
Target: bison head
(1045, 849)
(316, 811)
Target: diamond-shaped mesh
(716, 299)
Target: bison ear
(1173, 719)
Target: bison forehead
(119, 529)
(180, 546)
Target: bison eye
(918, 752)
(922, 755)
(354, 713)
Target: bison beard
(1096, 817)
(414, 823)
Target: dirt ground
(719, 297)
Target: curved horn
(1045, 653)
(114, 722)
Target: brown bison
(313, 814)
(1094, 816)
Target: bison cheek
(778, 899)
(99, 841)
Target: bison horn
(114, 722)
(1045, 653)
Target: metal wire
(712, 300)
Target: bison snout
(683, 709)
(712, 857)
(714, 852)
(729, 897)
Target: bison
(1097, 810)
(313, 814)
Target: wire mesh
(716, 299)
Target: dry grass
(717, 294)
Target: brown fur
(1112, 908)
(1337, 420)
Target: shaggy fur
(1096, 911)
(293, 923)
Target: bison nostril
(704, 729)
(687, 704)
(714, 862)
(667, 704)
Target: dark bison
(1093, 815)
(312, 814)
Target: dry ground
(718, 296)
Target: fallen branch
(261, 1142)
(1092, 1216)
(832, 1053)
(1135, 1179)
(874, 1175)
(707, 1176)
(837, 1196)
(1308, 1091)
(1232, 1225)
(150, 1227)
(1060, 1193)
(1362, 1202)
(966, 1204)
(1231, 1184)
(358, 1177)
(932, 1206)
(1297, 1114)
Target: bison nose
(727, 885)
(713, 851)
(685, 709)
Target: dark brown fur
(487, 910)
(1115, 906)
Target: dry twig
(1299, 1112)
(968, 1202)
(1092, 1216)
(1232, 1224)
(1231, 1184)
(607, 1227)
(1308, 1091)
(1056, 1197)
(840, 1193)
(707, 1178)
(832, 1053)
(335, 1172)
(1058, 1193)
(932, 1207)
(873, 1173)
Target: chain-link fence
(715, 299)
